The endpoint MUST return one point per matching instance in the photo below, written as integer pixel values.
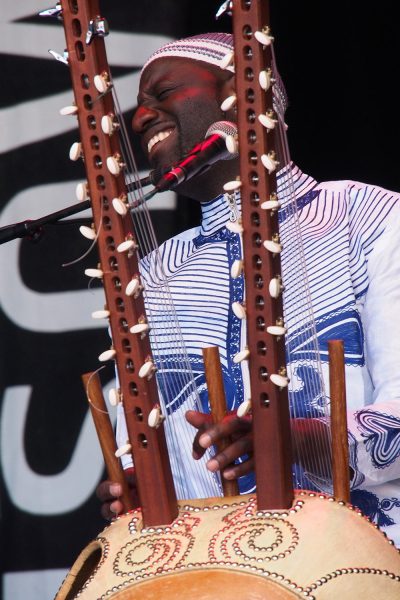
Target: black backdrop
(340, 63)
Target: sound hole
(94, 142)
(260, 323)
(87, 101)
(264, 400)
(138, 413)
(250, 95)
(76, 28)
(117, 283)
(257, 262)
(258, 281)
(251, 116)
(255, 219)
(85, 81)
(100, 182)
(253, 158)
(247, 32)
(249, 74)
(91, 121)
(251, 136)
(261, 348)
(97, 162)
(253, 178)
(123, 325)
(126, 346)
(119, 303)
(263, 374)
(106, 205)
(247, 53)
(259, 302)
(254, 198)
(107, 223)
(256, 239)
(133, 389)
(246, 4)
(80, 52)
(142, 440)
(129, 366)
(112, 261)
(73, 5)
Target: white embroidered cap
(207, 47)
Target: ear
(227, 89)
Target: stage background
(340, 62)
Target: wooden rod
(216, 396)
(340, 446)
(105, 433)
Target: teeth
(159, 137)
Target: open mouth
(157, 139)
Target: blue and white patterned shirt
(351, 239)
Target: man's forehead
(172, 67)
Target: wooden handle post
(340, 447)
(216, 396)
(105, 433)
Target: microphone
(202, 156)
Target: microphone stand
(32, 227)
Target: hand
(239, 430)
(109, 493)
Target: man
(351, 248)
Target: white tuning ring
(68, 110)
(269, 162)
(134, 287)
(244, 408)
(277, 330)
(263, 37)
(114, 396)
(236, 268)
(140, 328)
(228, 103)
(123, 450)
(127, 246)
(101, 83)
(270, 205)
(265, 79)
(232, 186)
(95, 273)
(107, 355)
(100, 314)
(279, 380)
(115, 164)
(273, 247)
(147, 369)
(275, 287)
(242, 355)
(267, 121)
(120, 206)
(235, 226)
(87, 232)
(155, 417)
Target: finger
(107, 491)
(236, 471)
(240, 447)
(111, 510)
(219, 431)
(197, 419)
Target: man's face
(178, 100)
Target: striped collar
(216, 213)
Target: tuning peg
(232, 144)
(115, 164)
(100, 314)
(82, 191)
(244, 408)
(114, 396)
(267, 120)
(227, 62)
(123, 450)
(120, 205)
(107, 355)
(147, 369)
(94, 273)
(264, 36)
(52, 12)
(109, 124)
(141, 327)
(235, 226)
(273, 245)
(277, 330)
(134, 287)
(128, 246)
(242, 355)
(62, 58)
(265, 79)
(232, 186)
(97, 27)
(87, 232)
(72, 109)
(155, 417)
(275, 287)
(280, 379)
(269, 162)
(236, 268)
(102, 82)
(239, 310)
(75, 152)
(228, 103)
(272, 204)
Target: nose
(142, 117)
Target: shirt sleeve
(374, 431)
